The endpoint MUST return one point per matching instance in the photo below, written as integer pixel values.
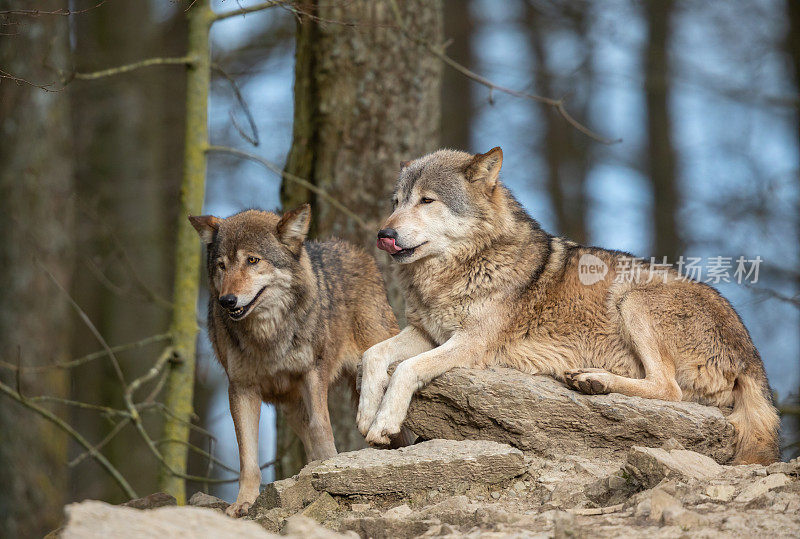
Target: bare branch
(63, 425)
(182, 60)
(558, 104)
(85, 318)
(292, 178)
(121, 424)
(773, 294)
(46, 87)
(254, 139)
(39, 12)
(250, 9)
(89, 357)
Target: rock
(457, 511)
(360, 507)
(537, 413)
(721, 493)
(684, 518)
(201, 499)
(660, 501)
(789, 468)
(292, 493)
(272, 519)
(401, 511)
(564, 525)
(380, 528)
(759, 487)
(158, 499)
(302, 526)
(441, 464)
(671, 444)
(650, 465)
(98, 520)
(320, 508)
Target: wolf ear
(485, 167)
(293, 227)
(206, 226)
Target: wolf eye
(221, 265)
(252, 260)
(394, 203)
(425, 200)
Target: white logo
(591, 269)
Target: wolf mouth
(408, 251)
(240, 312)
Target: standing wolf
(286, 318)
(485, 285)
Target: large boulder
(438, 464)
(540, 414)
(98, 520)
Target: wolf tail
(756, 420)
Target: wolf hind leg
(659, 380)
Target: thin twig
(791, 300)
(254, 139)
(292, 178)
(182, 60)
(60, 423)
(85, 318)
(246, 10)
(558, 104)
(46, 87)
(121, 424)
(89, 357)
(79, 404)
(212, 458)
(39, 12)
(101, 444)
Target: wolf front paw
(589, 381)
(383, 429)
(238, 509)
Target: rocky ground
(524, 456)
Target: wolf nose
(387, 233)
(228, 301)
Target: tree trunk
(457, 108)
(366, 98)
(566, 150)
(180, 383)
(36, 182)
(661, 161)
(793, 47)
(127, 131)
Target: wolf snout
(228, 301)
(387, 240)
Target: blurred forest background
(699, 98)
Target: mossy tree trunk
(366, 98)
(180, 383)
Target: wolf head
(252, 256)
(440, 200)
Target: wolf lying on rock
(486, 286)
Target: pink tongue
(388, 245)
